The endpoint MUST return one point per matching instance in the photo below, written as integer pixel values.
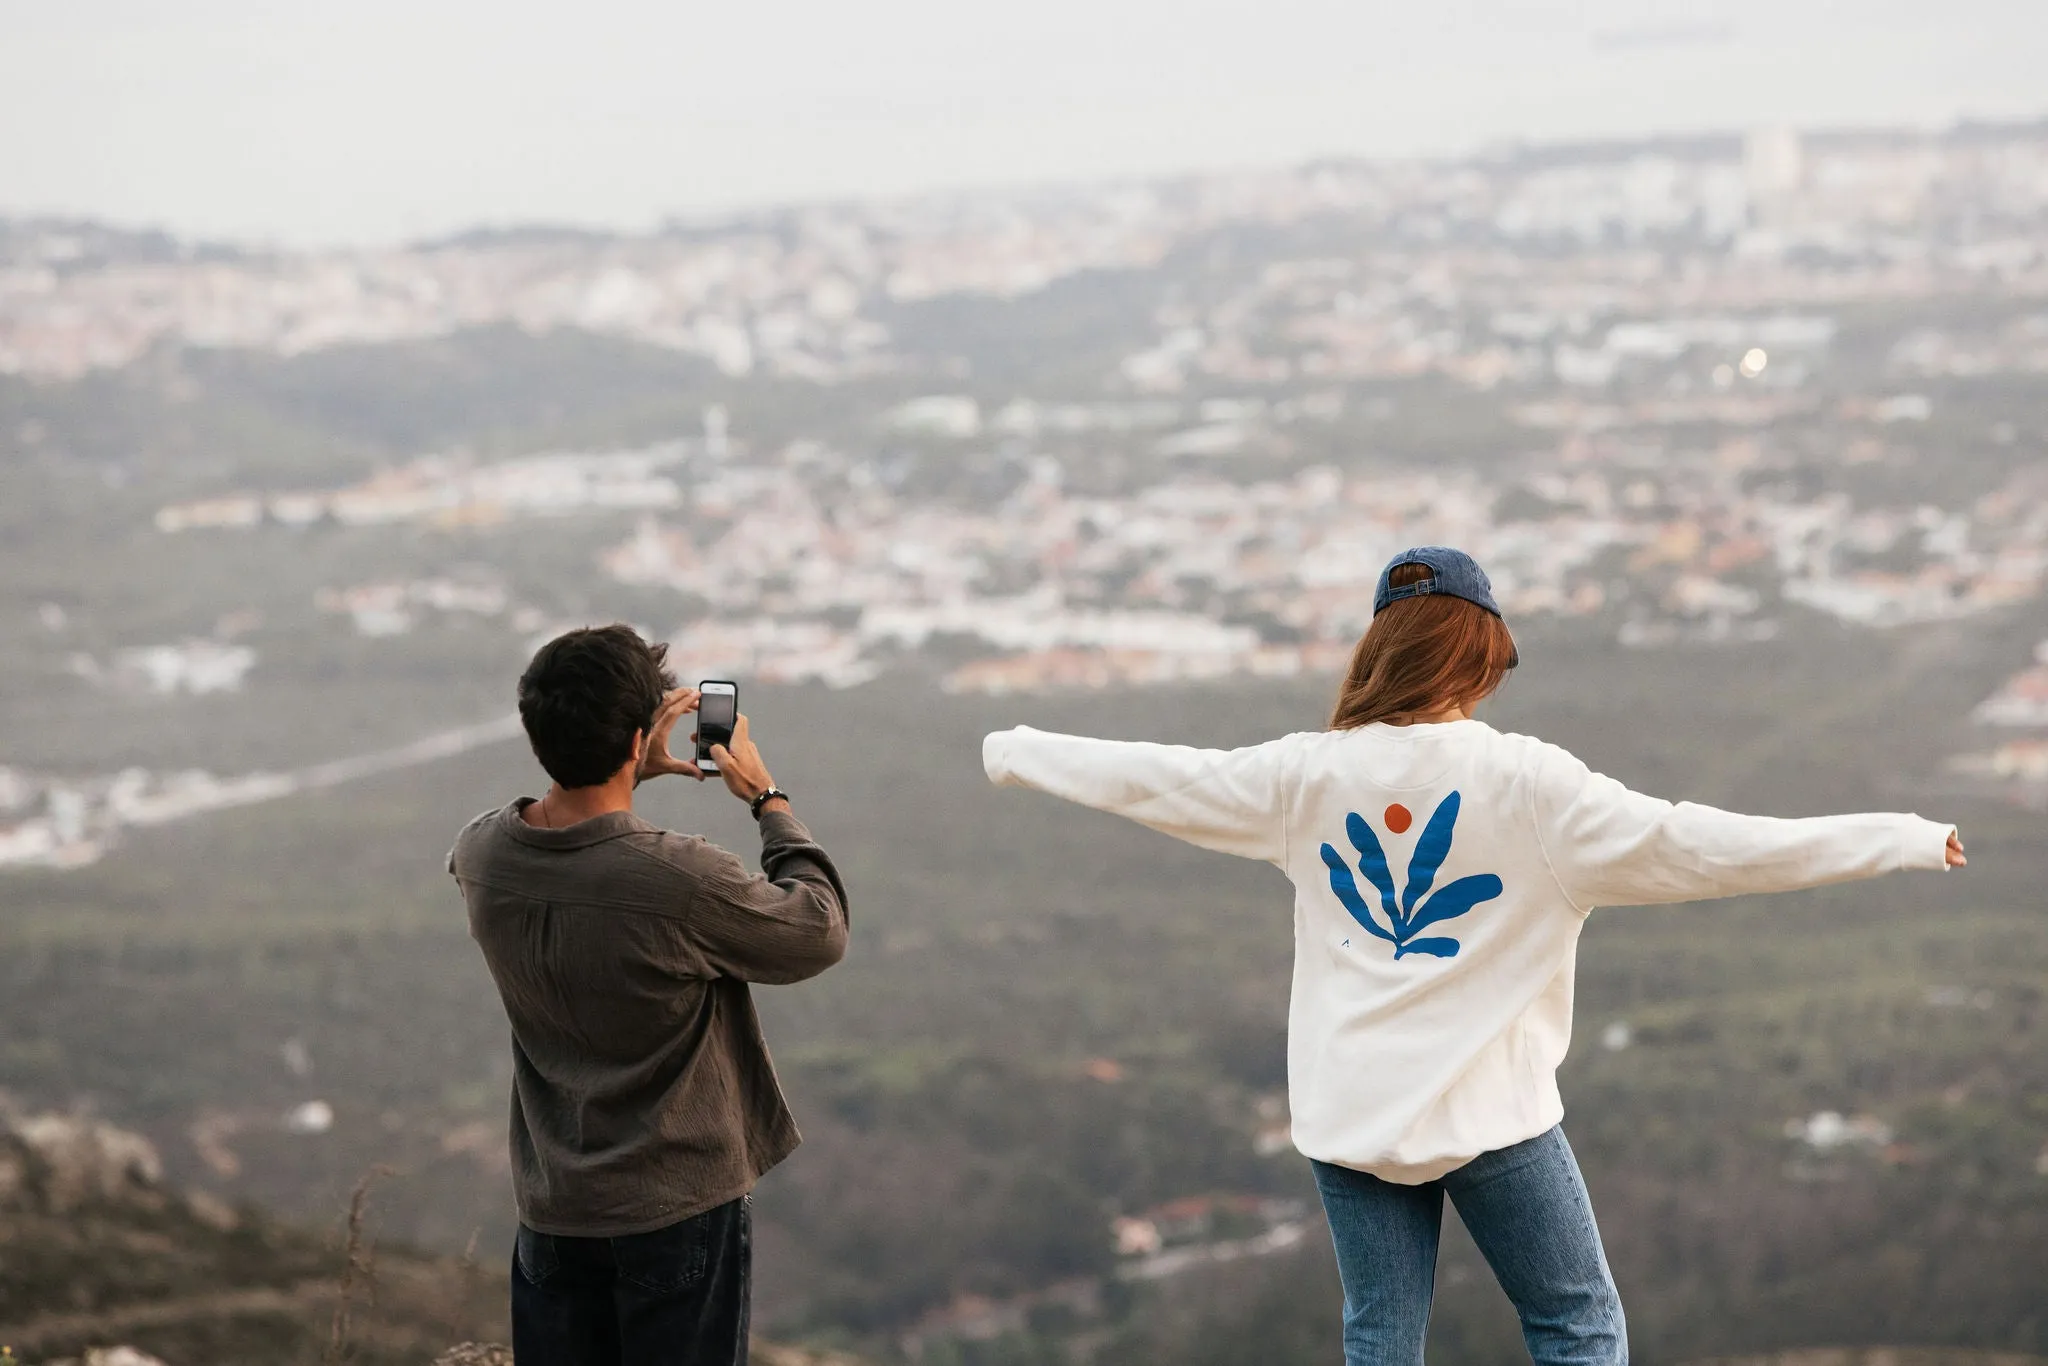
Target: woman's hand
(1955, 850)
(655, 760)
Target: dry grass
(358, 1267)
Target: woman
(1442, 873)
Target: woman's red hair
(1423, 655)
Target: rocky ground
(102, 1264)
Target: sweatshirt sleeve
(1233, 801)
(1609, 846)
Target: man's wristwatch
(764, 798)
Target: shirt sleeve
(461, 838)
(785, 925)
(1609, 846)
(1232, 801)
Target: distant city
(1664, 329)
(1465, 277)
(1192, 577)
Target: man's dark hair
(583, 697)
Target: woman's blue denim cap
(1452, 573)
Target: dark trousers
(673, 1297)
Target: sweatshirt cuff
(1926, 847)
(995, 756)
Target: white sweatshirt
(1441, 875)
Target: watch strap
(764, 798)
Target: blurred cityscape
(1471, 271)
(1703, 359)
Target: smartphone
(718, 710)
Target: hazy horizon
(224, 121)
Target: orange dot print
(1399, 819)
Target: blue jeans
(1526, 1208)
(674, 1297)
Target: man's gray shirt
(642, 1090)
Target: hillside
(96, 1250)
(963, 1146)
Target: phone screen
(716, 713)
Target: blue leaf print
(1430, 852)
(1373, 860)
(1346, 888)
(1456, 899)
(1416, 908)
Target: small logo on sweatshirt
(1416, 908)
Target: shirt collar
(596, 830)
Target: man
(644, 1104)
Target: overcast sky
(310, 122)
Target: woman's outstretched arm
(1609, 846)
(1232, 801)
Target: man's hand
(655, 760)
(1955, 850)
(746, 777)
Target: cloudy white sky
(322, 122)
